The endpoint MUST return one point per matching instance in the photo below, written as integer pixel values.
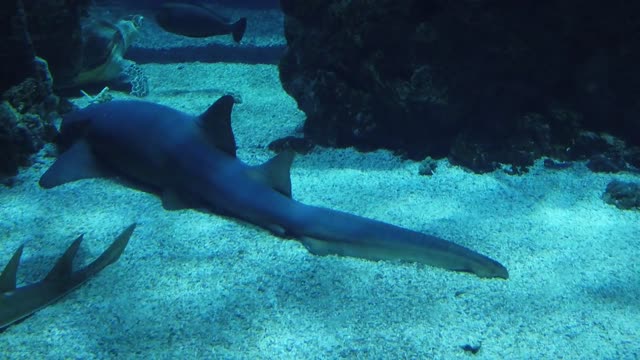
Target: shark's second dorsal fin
(277, 172)
(216, 123)
(8, 276)
(64, 267)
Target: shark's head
(74, 126)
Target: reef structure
(29, 107)
(481, 82)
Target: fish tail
(325, 232)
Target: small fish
(197, 21)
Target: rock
(55, 31)
(632, 157)
(472, 156)
(588, 143)
(29, 107)
(514, 82)
(556, 165)
(428, 167)
(610, 163)
(623, 195)
(298, 145)
(16, 49)
(27, 114)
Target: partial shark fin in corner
(17, 303)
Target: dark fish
(197, 21)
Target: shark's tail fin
(238, 29)
(112, 254)
(325, 231)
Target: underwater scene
(319, 179)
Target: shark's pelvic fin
(171, 200)
(276, 172)
(74, 164)
(8, 276)
(216, 124)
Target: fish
(197, 21)
(191, 162)
(17, 303)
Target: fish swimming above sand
(18, 303)
(191, 161)
(197, 21)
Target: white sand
(197, 285)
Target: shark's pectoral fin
(276, 172)
(8, 276)
(216, 124)
(74, 164)
(173, 201)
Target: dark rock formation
(27, 113)
(28, 106)
(298, 145)
(602, 163)
(480, 81)
(623, 195)
(428, 167)
(16, 50)
(249, 4)
(55, 31)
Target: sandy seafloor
(196, 285)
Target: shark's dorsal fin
(8, 276)
(276, 172)
(216, 124)
(64, 267)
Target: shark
(17, 303)
(191, 162)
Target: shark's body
(192, 162)
(16, 303)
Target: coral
(138, 80)
(27, 113)
(482, 82)
(623, 195)
(102, 97)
